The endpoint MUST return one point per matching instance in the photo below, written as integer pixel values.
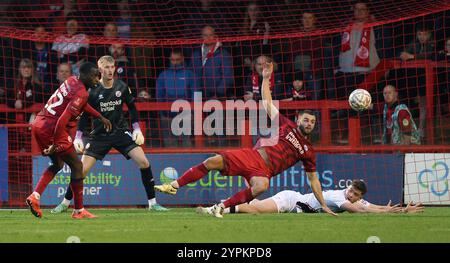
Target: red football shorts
(244, 162)
(43, 130)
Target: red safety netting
(408, 45)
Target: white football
(360, 99)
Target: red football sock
(77, 189)
(243, 196)
(46, 178)
(192, 175)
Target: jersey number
(60, 100)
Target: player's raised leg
(88, 163)
(33, 200)
(138, 156)
(76, 184)
(193, 174)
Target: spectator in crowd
(305, 54)
(39, 52)
(422, 48)
(176, 82)
(110, 33)
(72, 47)
(254, 81)
(27, 91)
(254, 24)
(43, 57)
(131, 23)
(298, 92)
(398, 124)
(125, 19)
(253, 87)
(358, 53)
(64, 71)
(58, 19)
(6, 71)
(289, 12)
(202, 13)
(212, 66)
(358, 56)
(444, 55)
(444, 79)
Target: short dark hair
(72, 16)
(423, 27)
(177, 51)
(360, 185)
(310, 112)
(86, 67)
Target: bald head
(390, 94)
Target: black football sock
(148, 182)
(69, 193)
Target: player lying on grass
(265, 160)
(54, 128)
(349, 199)
(113, 93)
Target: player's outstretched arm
(271, 110)
(317, 190)
(358, 207)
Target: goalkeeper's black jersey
(109, 103)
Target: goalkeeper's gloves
(78, 142)
(138, 137)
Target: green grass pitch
(183, 225)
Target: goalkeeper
(108, 99)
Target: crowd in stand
(313, 67)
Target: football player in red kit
(54, 129)
(264, 161)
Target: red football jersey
(291, 146)
(71, 95)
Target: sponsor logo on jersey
(118, 93)
(119, 70)
(110, 105)
(405, 122)
(294, 141)
(77, 102)
(100, 96)
(29, 93)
